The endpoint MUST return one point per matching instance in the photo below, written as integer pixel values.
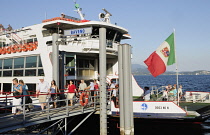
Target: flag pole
(177, 71)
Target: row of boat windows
(22, 66)
(15, 73)
(22, 62)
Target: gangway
(8, 122)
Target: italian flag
(162, 57)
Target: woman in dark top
(25, 93)
(17, 88)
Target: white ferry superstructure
(25, 53)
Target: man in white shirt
(91, 88)
(147, 94)
(43, 89)
(82, 85)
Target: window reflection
(19, 63)
(8, 64)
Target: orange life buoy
(34, 46)
(8, 50)
(83, 102)
(14, 48)
(0, 50)
(19, 48)
(29, 47)
(24, 48)
(3, 50)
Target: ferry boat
(26, 53)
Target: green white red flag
(162, 57)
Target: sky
(149, 22)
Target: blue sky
(149, 22)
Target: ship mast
(79, 10)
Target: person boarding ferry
(44, 90)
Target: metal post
(66, 126)
(102, 63)
(120, 68)
(126, 78)
(24, 109)
(131, 90)
(55, 58)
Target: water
(190, 83)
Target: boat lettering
(161, 107)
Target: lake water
(190, 83)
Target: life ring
(3, 50)
(24, 48)
(0, 50)
(29, 47)
(8, 50)
(14, 48)
(19, 48)
(34, 46)
(83, 95)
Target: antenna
(105, 17)
(78, 10)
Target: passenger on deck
(180, 91)
(114, 96)
(165, 94)
(91, 88)
(25, 93)
(173, 94)
(71, 92)
(53, 89)
(112, 86)
(43, 89)
(82, 86)
(17, 91)
(147, 94)
(96, 87)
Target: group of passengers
(46, 91)
(171, 92)
(19, 89)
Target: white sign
(153, 107)
(78, 31)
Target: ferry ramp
(36, 116)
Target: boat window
(19, 63)
(7, 73)
(40, 72)
(35, 39)
(18, 73)
(31, 61)
(0, 74)
(70, 62)
(0, 64)
(8, 63)
(30, 72)
(40, 62)
(70, 71)
(30, 40)
(7, 87)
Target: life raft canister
(19, 48)
(24, 48)
(8, 50)
(3, 50)
(14, 48)
(83, 102)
